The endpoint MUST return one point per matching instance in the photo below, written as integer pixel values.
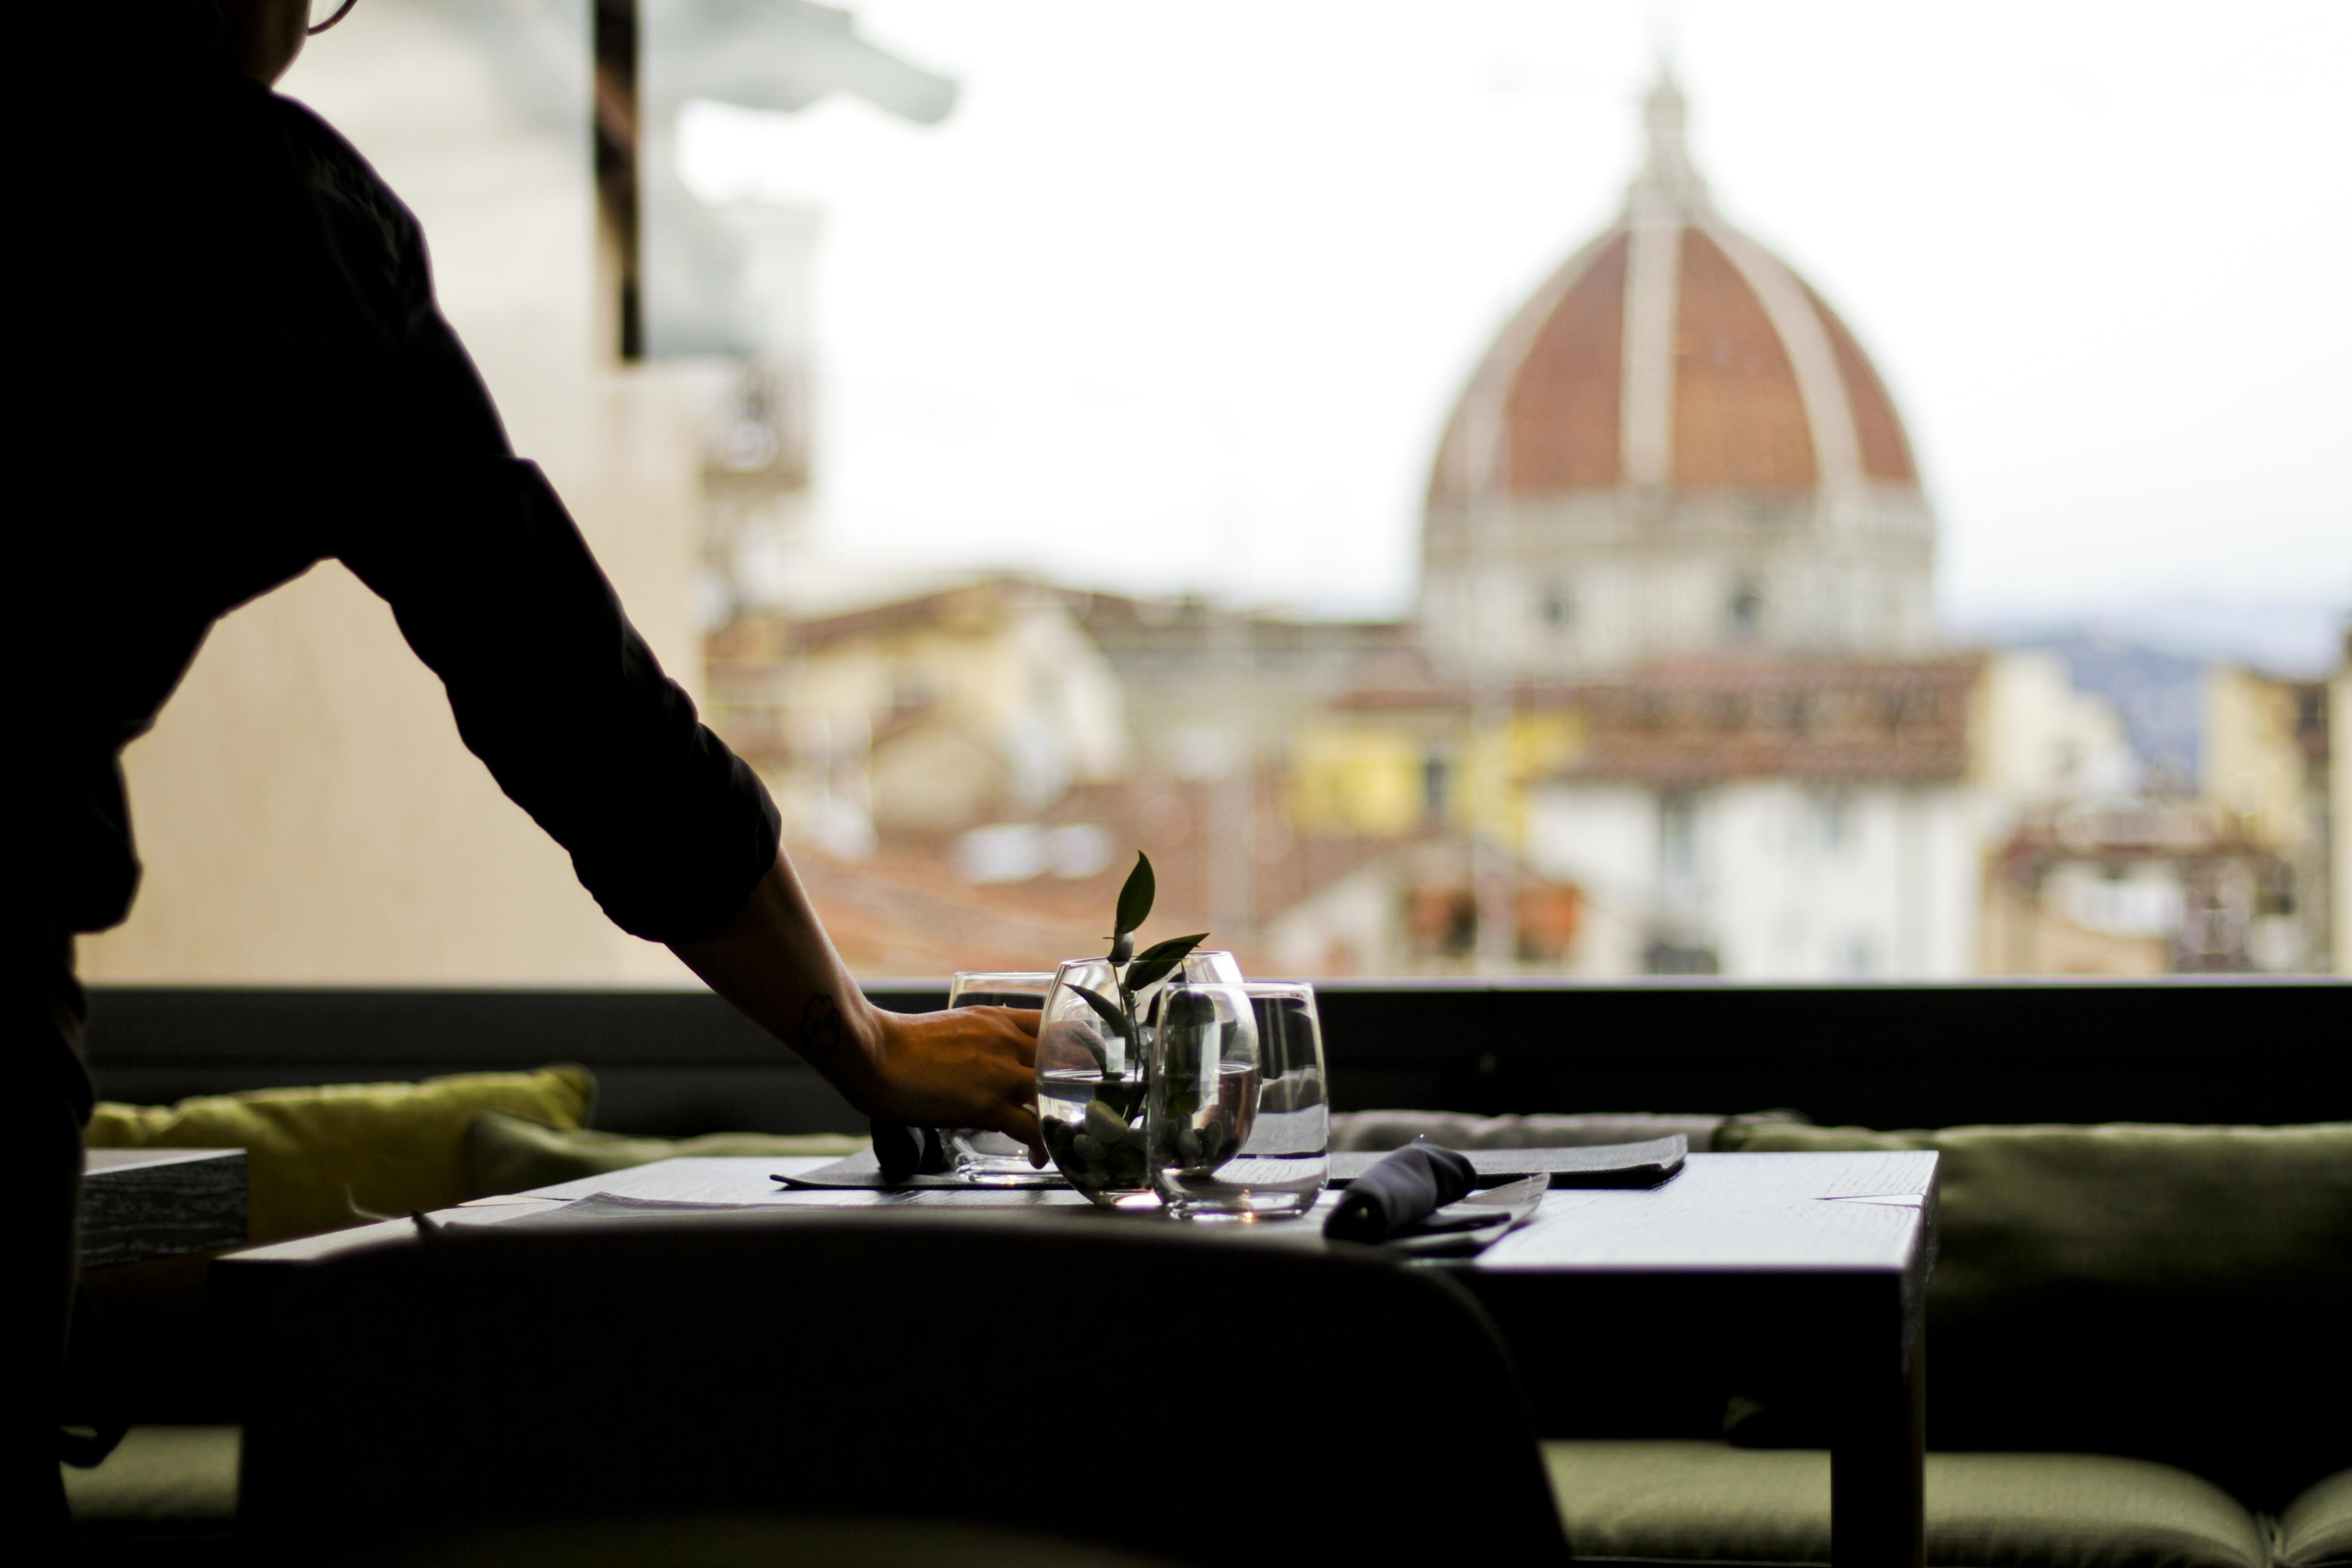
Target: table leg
(1877, 1506)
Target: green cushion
(159, 1478)
(319, 1159)
(1706, 1503)
(508, 1153)
(2316, 1530)
(2155, 1290)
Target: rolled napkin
(903, 1151)
(1404, 1189)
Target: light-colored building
(1675, 447)
(1804, 820)
(2135, 887)
(2340, 807)
(1789, 818)
(937, 715)
(2268, 760)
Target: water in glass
(1091, 1073)
(1238, 1125)
(983, 1158)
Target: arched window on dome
(1556, 608)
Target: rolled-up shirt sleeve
(554, 690)
(495, 589)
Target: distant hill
(2159, 695)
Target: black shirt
(240, 371)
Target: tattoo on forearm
(820, 1029)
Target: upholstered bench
(1688, 1503)
(2135, 1357)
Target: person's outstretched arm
(970, 1068)
(325, 408)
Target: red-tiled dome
(1674, 352)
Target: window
(1678, 835)
(1834, 814)
(1436, 778)
(1744, 612)
(1358, 455)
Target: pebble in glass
(1091, 1075)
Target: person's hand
(973, 1066)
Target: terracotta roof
(905, 911)
(1562, 409)
(2126, 833)
(1738, 408)
(1698, 721)
(1738, 422)
(1690, 721)
(1886, 449)
(761, 638)
(1121, 624)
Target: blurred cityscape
(1671, 697)
(1673, 700)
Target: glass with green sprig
(1093, 1043)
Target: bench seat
(1658, 1503)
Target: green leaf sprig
(1133, 971)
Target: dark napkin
(1645, 1164)
(902, 1151)
(1401, 1190)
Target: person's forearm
(775, 962)
(970, 1068)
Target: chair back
(1204, 1398)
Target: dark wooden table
(1811, 1266)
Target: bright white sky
(1181, 294)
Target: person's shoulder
(335, 169)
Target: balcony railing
(675, 1063)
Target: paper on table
(862, 1171)
(614, 1206)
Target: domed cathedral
(1675, 447)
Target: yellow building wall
(2254, 769)
(1366, 776)
(1367, 780)
(2339, 782)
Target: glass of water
(1236, 1122)
(984, 1158)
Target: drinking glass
(1092, 1058)
(983, 1158)
(1237, 1126)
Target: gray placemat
(861, 1172)
(1645, 1164)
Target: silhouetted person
(237, 369)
